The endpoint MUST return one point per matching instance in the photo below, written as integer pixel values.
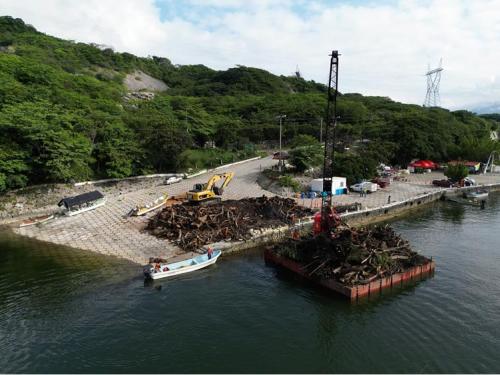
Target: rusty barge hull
(357, 291)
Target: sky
(386, 46)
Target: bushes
(288, 181)
(306, 157)
(456, 172)
(354, 167)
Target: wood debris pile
(353, 256)
(192, 227)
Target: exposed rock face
(143, 95)
(138, 81)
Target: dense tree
(456, 172)
(305, 157)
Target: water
(63, 310)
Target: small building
(83, 202)
(339, 185)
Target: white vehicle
(172, 180)
(367, 186)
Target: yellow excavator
(209, 193)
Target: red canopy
(425, 164)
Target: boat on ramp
(159, 270)
(143, 210)
(36, 220)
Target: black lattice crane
(324, 221)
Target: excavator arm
(228, 177)
(209, 191)
(212, 181)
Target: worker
(210, 252)
(389, 199)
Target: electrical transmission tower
(297, 73)
(433, 79)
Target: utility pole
(280, 161)
(321, 130)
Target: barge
(354, 292)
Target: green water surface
(63, 310)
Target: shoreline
(106, 231)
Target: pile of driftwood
(192, 227)
(353, 256)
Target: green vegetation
(288, 181)
(456, 172)
(63, 117)
(306, 157)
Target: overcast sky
(386, 46)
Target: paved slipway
(107, 231)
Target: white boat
(477, 195)
(161, 270)
(157, 203)
(36, 220)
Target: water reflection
(453, 212)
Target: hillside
(66, 115)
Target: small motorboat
(160, 270)
(157, 203)
(477, 195)
(36, 220)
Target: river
(64, 310)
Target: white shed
(339, 185)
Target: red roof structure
(425, 164)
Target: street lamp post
(280, 160)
